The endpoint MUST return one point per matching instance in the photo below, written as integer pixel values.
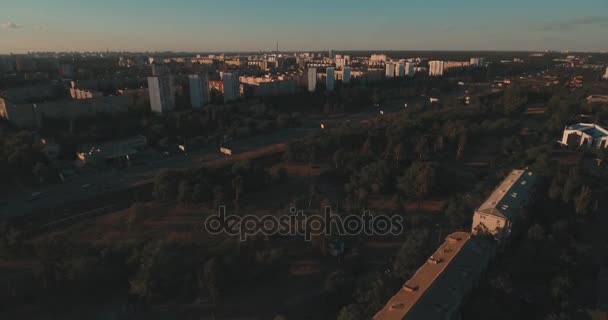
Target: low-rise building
(505, 206)
(585, 134)
(438, 288)
(31, 115)
(79, 94)
(264, 86)
(597, 98)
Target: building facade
(232, 87)
(390, 70)
(161, 94)
(436, 68)
(330, 79)
(346, 75)
(400, 70)
(199, 90)
(410, 69)
(312, 79)
(477, 62)
(439, 287)
(32, 115)
(505, 206)
(585, 134)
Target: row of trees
(23, 161)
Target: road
(113, 180)
(86, 190)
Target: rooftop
(591, 129)
(437, 288)
(510, 195)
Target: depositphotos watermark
(297, 223)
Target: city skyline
(205, 26)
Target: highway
(93, 185)
(88, 192)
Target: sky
(254, 25)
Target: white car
(34, 196)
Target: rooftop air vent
(433, 260)
(410, 287)
(397, 306)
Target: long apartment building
(31, 115)
(505, 206)
(437, 289)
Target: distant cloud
(575, 23)
(10, 25)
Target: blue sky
(239, 25)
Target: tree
(413, 251)
(137, 213)
(462, 142)
(338, 157)
(514, 100)
(398, 152)
(418, 181)
(555, 188)
(211, 279)
(184, 195)
(339, 287)
(44, 173)
(422, 147)
(165, 185)
(582, 202)
(351, 312)
(573, 182)
(219, 197)
(278, 173)
(238, 186)
(200, 193)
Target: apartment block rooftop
(511, 194)
(437, 288)
(591, 129)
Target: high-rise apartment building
(410, 69)
(400, 70)
(436, 68)
(312, 79)
(390, 70)
(232, 86)
(330, 79)
(346, 75)
(161, 94)
(477, 62)
(199, 90)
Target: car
(34, 196)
